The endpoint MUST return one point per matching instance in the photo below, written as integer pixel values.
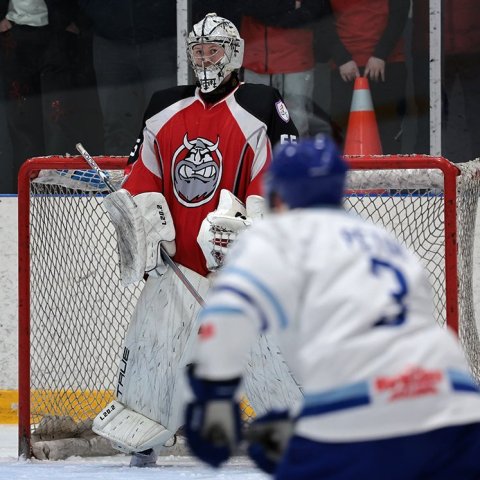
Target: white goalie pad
(157, 347)
(129, 431)
(130, 231)
(268, 382)
(221, 227)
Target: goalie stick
(165, 256)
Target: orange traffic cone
(362, 132)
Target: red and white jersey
(353, 314)
(191, 150)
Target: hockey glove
(212, 423)
(159, 229)
(141, 224)
(221, 227)
(268, 437)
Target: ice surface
(112, 468)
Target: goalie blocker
(141, 225)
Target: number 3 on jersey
(377, 267)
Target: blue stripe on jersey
(357, 394)
(220, 309)
(462, 381)
(354, 395)
(249, 300)
(270, 296)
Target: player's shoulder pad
(164, 98)
(259, 100)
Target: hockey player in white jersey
(388, 393)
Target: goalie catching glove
(141, 224)
(221, 227)
(212, 419)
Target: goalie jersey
(190, 150)
(352, 311)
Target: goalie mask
(215, 50)
(308, 174)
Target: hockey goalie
(193, 187)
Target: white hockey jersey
(352, 310)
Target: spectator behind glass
(37, 77)
(135, 54)
(461, 62)
(5, 143)
(279, 50)
(365, 37)
(230, 10)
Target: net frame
(29, 171)
(439, 174)
(450, 172)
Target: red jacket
(360, 24)
(276, 50)
(461, 31)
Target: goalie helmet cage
(73, 311)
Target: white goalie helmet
(215, 49)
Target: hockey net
(73, 311)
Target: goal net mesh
(79, 311)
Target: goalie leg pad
(129, 431)
(157, 346)
(269, 383)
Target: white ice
(112, 468)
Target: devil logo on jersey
(196, 171)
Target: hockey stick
(165, 256)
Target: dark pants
(5, 144)
(127, 76)
(388, 101)
(37, 80)
(458, 112)
(451, 453)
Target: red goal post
(73, 312)
(29, 172)
(449, 173)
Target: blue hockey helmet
(305, 174)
